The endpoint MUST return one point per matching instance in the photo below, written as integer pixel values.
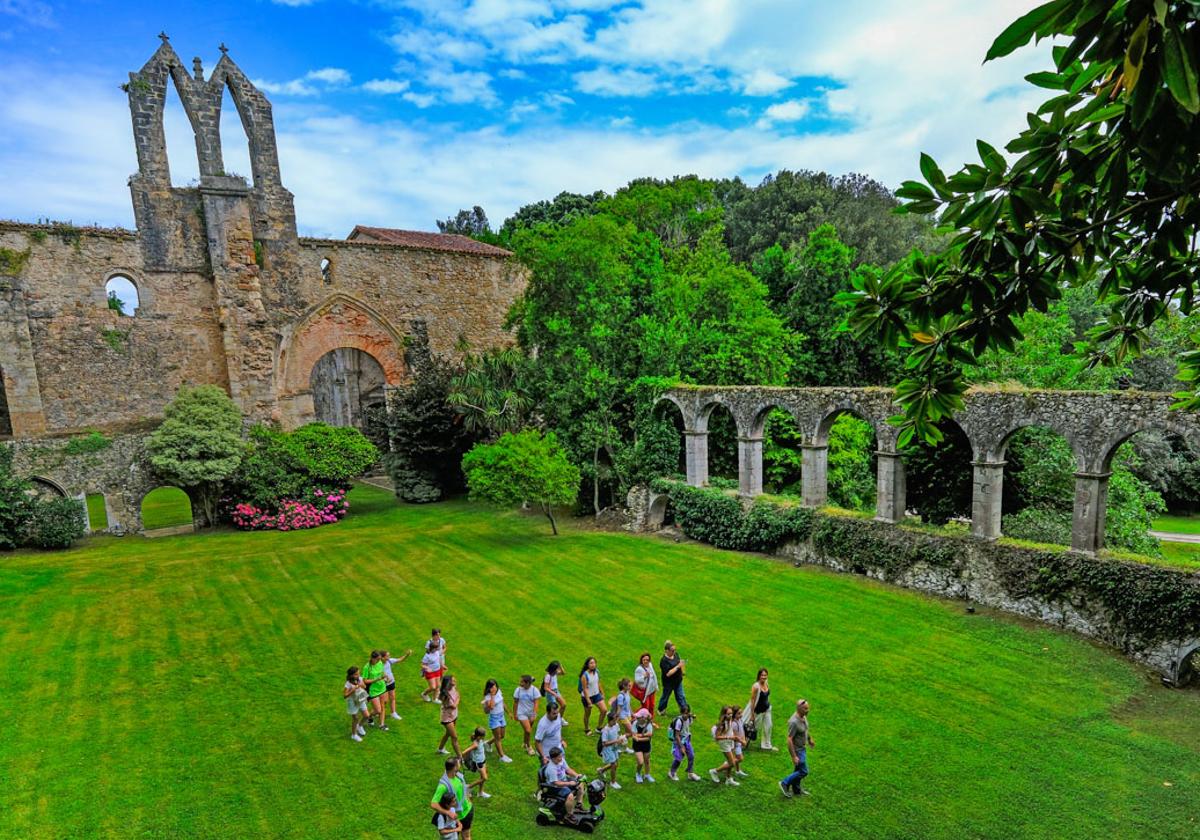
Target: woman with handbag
(645, 683)
(756, 716)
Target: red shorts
(433, 675)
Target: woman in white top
(591, 692)
(525, 702)
(645, 683)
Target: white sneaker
(355, 737)
(443, 752)
(615, 785)
(396, 716)
(483, 795)
(713, 775)
(506, 759)
(649, 779)
(733, 781)
(692, 777)
(785, 790)
(672, 777)
(741, 772)
(487, 747)
(628, 751)
(638, 778)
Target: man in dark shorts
(672, 669)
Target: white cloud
(31, 12)
(621, 122)
(763, 82)
(312, 83)
(421, 100)
(791, 111)
(625, 82)
(294, 3)
(386, 86)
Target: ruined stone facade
(228, 293)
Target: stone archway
(346, 385)
(340, 324)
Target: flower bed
(324, 507)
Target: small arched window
(122, 295)
(326, 271)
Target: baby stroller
(552, 808)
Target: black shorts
(641, 746)
(474, 766)
(466, 821)
(390, 687)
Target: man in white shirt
(549, 733)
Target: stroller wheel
(587, 827)
(542, 819)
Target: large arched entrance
(347, 384)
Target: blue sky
(399, 112)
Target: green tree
(332, 456)
(115, 303)
(199, 444)
(565, 208)
(491, 393)
(1102, 184)
(851, 466)
(522, 467)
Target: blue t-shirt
(621, 704)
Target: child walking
(724, 736)
(448, 697)
(493, 707)
(611, 740)
(356, 703)
(432, 667)
(476, 760)
(447, 822)
(389, 692)
(525, 703)
(681, 744)
(622, 703)
(739, 742)
(643, 731)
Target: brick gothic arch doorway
(346, 384)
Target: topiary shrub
(333, 456)
(55, 523)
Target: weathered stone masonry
(228, 293)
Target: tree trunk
(546, 509)
(596, 480)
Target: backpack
(600, 745)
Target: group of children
(370, 693)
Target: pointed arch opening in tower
(235, 143)
(347, 387)
(179, 139)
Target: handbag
(749, 726)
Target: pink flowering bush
(323, 507)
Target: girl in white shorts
(356, 703)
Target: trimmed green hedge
(1145, 602)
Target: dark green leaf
(1020, 31)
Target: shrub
(55, 523)
(269, 472)
(332, 455)
(715, 517)
(322, 507)
(1037, 524)
(16, 505)
(522, 466)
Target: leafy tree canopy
(522, 467)
(1101, 184)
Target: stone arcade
(295, 329)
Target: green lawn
(166, 507)
(1184, 555)
(1178, 524)
(191, 687)
(97, 511)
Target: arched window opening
(235, 144)
(1039, 486)
(180, 140)
(166, 507)
(326, 271)
(660, 449)
(1154, 498)
(44, 488)
(782, 454)
(722, 449)
(122, 295)
(347, 387)
(939, 477)
(6, 428)
(852, 463)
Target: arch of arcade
(1094, 424)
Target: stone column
(1091, 503)
(814, 477)
(696, 457)
(890, 502)
(986, 497)
(750, 468)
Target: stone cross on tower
(164, 37)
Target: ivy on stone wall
(13, 262)
(865, 545)
(1150, 603)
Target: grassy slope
(1182, 555)
(1178, 524)
(191, 686)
